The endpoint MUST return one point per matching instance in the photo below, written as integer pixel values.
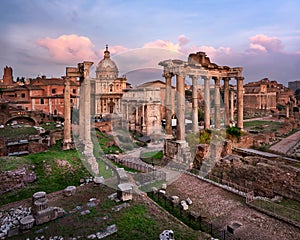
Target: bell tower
(8, 76)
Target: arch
(19, 119)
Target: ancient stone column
(81, 112)
(226, 101)
(168, 104)
(240, 102)
(206, 103)
(88, 146)
(136, 118)
(231, 106)
(180, 127)
(217, 103)
(143, 117)
(67, 115)
(194, 104)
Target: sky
(40, 37)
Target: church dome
(106, 68)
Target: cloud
(264, 43)
(183, 40)
(114, 50)
(68, 49)
(168, 45)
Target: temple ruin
(197, 67)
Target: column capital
(240, 78)
(205, 77)
(194, 77)
(217, 81)
(168, 75)
(181, 73)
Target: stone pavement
(286, 144)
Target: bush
(234, 132)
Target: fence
(266, 206)
(190, 218)
(289, 215)
(219, 182)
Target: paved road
(286, 144)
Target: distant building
(7, 80)
(266, 94)
(107, 88)
(294, 85)
(162, 86)
(42, 94)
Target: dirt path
(224, 208)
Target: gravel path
(224, 208)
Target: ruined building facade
(266, 94)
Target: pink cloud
(114, 50)
(264, 43)
(168, 45)
(69, 48)
(183, 40)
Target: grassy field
(262, 126)
(55, 170)
(140, 220)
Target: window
(54, 90)
(23, 95)
(42, 101)
(74, 91)
(111, 88)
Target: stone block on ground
(164, 186)
(175, 199)
(69, 191)
(38, 195)
(184, 205)
(27, 222)
(124, 191)
(189, 201)
(167, 235)
(98, 180)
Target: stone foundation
(179, 152)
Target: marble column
(67, 115)
(168, 104)
(217, 103)
(226, 100)
(240, 102)
(194, 104)
(180, 127)
(206, 103)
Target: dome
(106, 68)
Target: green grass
(55, 170)
(9, 132)
(154, 157)
(140, 220)
(260, 124)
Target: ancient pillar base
(179, 152)
(88, 149)
(68, 145)
(169, 136)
